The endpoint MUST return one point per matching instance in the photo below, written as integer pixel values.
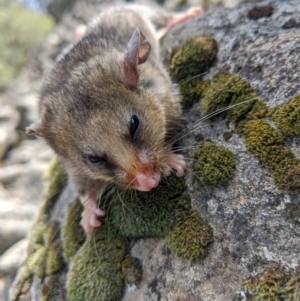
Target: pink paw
(89, 216)
(178, 19)
(176, 162)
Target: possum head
(102, 118)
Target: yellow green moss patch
(227, 90)
(267, 286)
(273, 284)
(266, 144)
(187, 64)
(190, 237)
(56, 180)
(287, 116)
(138, 214)
(192, 58)
(132, 270)
(291, 290)
(95, 272)
(214, 165)
(72, 233)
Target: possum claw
(176, 162)
(90, 213)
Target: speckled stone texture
(254, 223)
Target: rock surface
(252, 219)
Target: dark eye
(97, 159)
(134, 124)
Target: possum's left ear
(35, 129)
(137, 52)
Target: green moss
(259, 110)
(95, 272)
(227, 90)
(72, 233)
(188, 63)
(273, 284)
(191, 91)
(164, 212)
(56, 180)
(267, 145)
(132, 270)
(54, 260)
(214, 165)
(137, 214)
(190, 237)
(193, 58)
(287, 116)
(291, 291)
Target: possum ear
(35, 129)
(137, 52)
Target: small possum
(108, 107)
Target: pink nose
(145, 182)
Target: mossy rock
(100, 264)
(214, 165)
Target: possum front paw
(89, 216)
(176, 162)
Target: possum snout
(146, 181)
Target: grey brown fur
(86, 102)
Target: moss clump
(267, 145)
(137, 214)
(56, 180)
(165, 212)
(191, 91)
(267, 286)
(72, 233)
(188, 63)
(95, 272)
(44, 257)
(287, 116)
(291, 290)
(273, 284)
(228, 90)
(190, 237)
(192, 58)
(259, 110)
(132, 270)
(214, 165)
